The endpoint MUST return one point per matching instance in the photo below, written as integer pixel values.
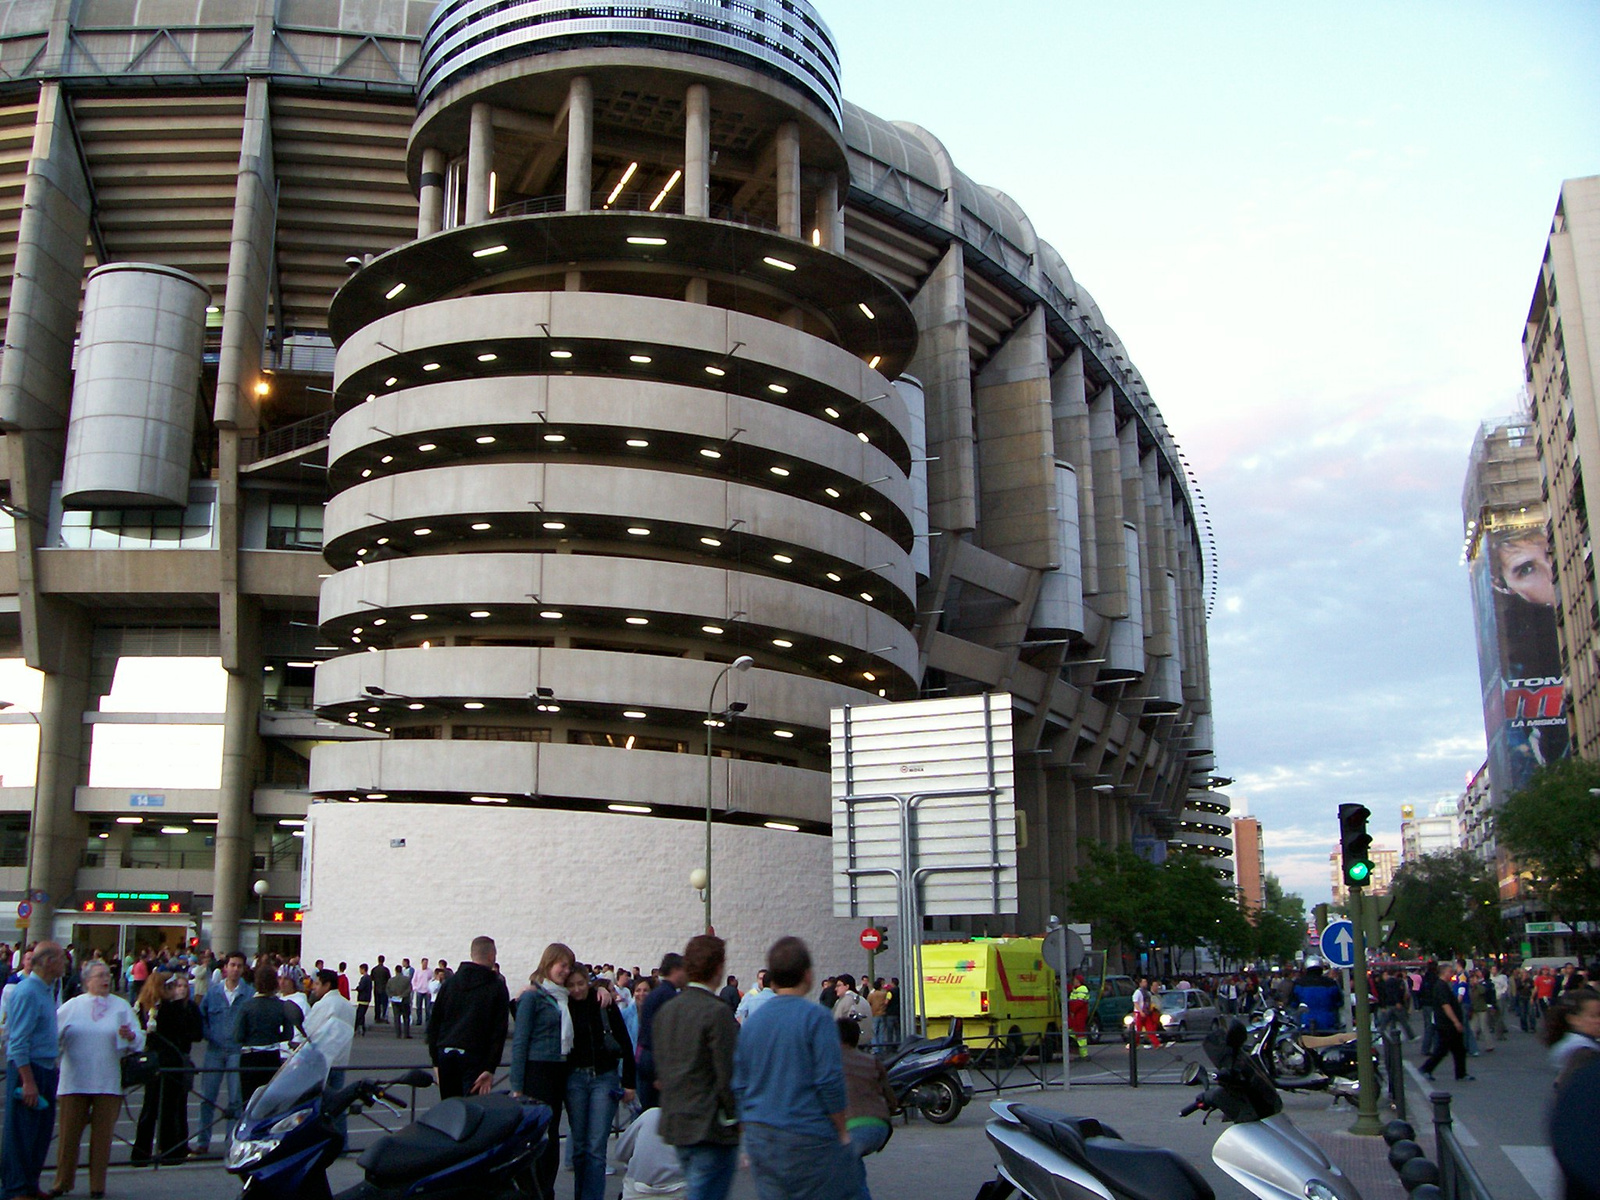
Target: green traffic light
(1359, 872)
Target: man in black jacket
(694, 1039)
(673, 978)
(468, 1031)
(380, 990)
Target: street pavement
(1500, 1119)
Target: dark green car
(1115, 1001)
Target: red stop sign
(871, 939)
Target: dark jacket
(659, 995)
(867, 1084)
(589, 1025)
(470, 1014)
(176, 1030)
(263, 1021)
(693, 1040)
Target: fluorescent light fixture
(367, 473)
(204, 821)
(867, 312)
(621, 183)
(714, 630)
(717, 371)
(293, 822)
(638, 620)
(865, 516)
(377, 795)
(561, 354)
(555, 526)
(306, 664)
(835, 577)
(642, 810)
(710, 541)
(641, 359)
(391, 381)
(634, 714)
(639, 530)
(426, 447)
(628, 745)
(130, 820)
(487, 251)
(474, 705)
(867, 596)
(213, 309)
(834, 492)
(872, 363)
(783, 643)
(555, 437)
(174, 829)
(707, 452)
(487, 357)
(781, 472)
(480, 526)
(662, 194)
(783, 733)
(379, 621)
(416, 706)
(647, 241)
(386, 459)
(489, 800)
(638, 443)
(869, 677)
(777, 389)
(834, 658)
(550, 614)
(394, 291)
(816, 237)
(783, 558)
(832, 412)
(487, 439)
(779, 263)
(419, 616)
(383, 541)
(423, 532)
(782, 825)
(863, 437)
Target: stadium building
(413, 416)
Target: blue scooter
(472, 1148)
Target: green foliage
(1552, 829)
(1280, 927)
(1447, 905)
(1113, 892)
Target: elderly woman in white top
(97, 1029)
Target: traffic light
(883, 941)
(1354, 844)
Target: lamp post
(259, 887)
(743, 663)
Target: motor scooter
(1308, 1062)
(1045, 1155)
(930, 1076)
(469, 1148)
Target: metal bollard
(1133, 1053)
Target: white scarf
(560, 996)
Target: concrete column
(830, 216)
(1111, 556)
(1063, 828)
(697, 291)
(1069, 403)
(430, 213)
(787, 148)
(480, 162)
(944, 365)
(241, 747)
(56, 833)
(580, 144)
(244, 303)
(697, 151)
(1016, 448)
(1033, 860)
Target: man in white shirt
(327, 1007)
(421, 994)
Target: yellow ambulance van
(1001, 989)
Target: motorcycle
(1305, 1062)
(1044, 1155)
(929, 1076)
(472, 1148)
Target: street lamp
(743, 663)
(259, 887)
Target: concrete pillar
(697, 290)
(944, 365)
(787, 149)
(1063, 828)
(56, 833)
(430, 212)
(241, 743)
(829, 221)
(1111, 590)
(697, 151)
(480, 162)
(1069, 404)
(1033, 859)
(580, 144)
(244, 303)
(1016, 448)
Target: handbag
(138, 1069)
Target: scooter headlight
(293, 1121)
(1317, 1190)
(244, 1154)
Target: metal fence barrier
(1458, 1179)
(1394, 1061)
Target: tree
(1114, 892)
(1447, 905)
(1281, 925)
(1189, 903)
(1552, 829)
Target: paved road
(1501, 1116)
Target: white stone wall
(615, 888)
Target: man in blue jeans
(694, 1036)
(218, 1008)
(788, 1075)
(31, 1073)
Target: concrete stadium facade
(554, 359)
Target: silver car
(1185, 1013)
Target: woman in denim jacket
(540, 1043)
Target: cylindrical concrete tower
(621, 415)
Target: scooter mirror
(1192, 1074)
(417, 1079)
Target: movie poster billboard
(1519, 659)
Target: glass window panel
(281, 514)
(168, 516)
(101, 538)
(166, 537)
(156, 756)
(167, 684)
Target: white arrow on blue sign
(1339, 943)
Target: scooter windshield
(303, 1076)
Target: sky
(1317, 228)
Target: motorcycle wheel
(945, 1103)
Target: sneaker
(1467, 1079)
(1428, 1075)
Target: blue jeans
(865, 1140)
(221, 1066)
(591, 1105)
(26, 1138)
(800, 1166)
(708, 1169)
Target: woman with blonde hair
(540, 1043)
(175, 1029)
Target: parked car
(1114, 1001)
(1185, 1013)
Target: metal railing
(632, 202)
(1394, 1061)
(1458, 1179)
